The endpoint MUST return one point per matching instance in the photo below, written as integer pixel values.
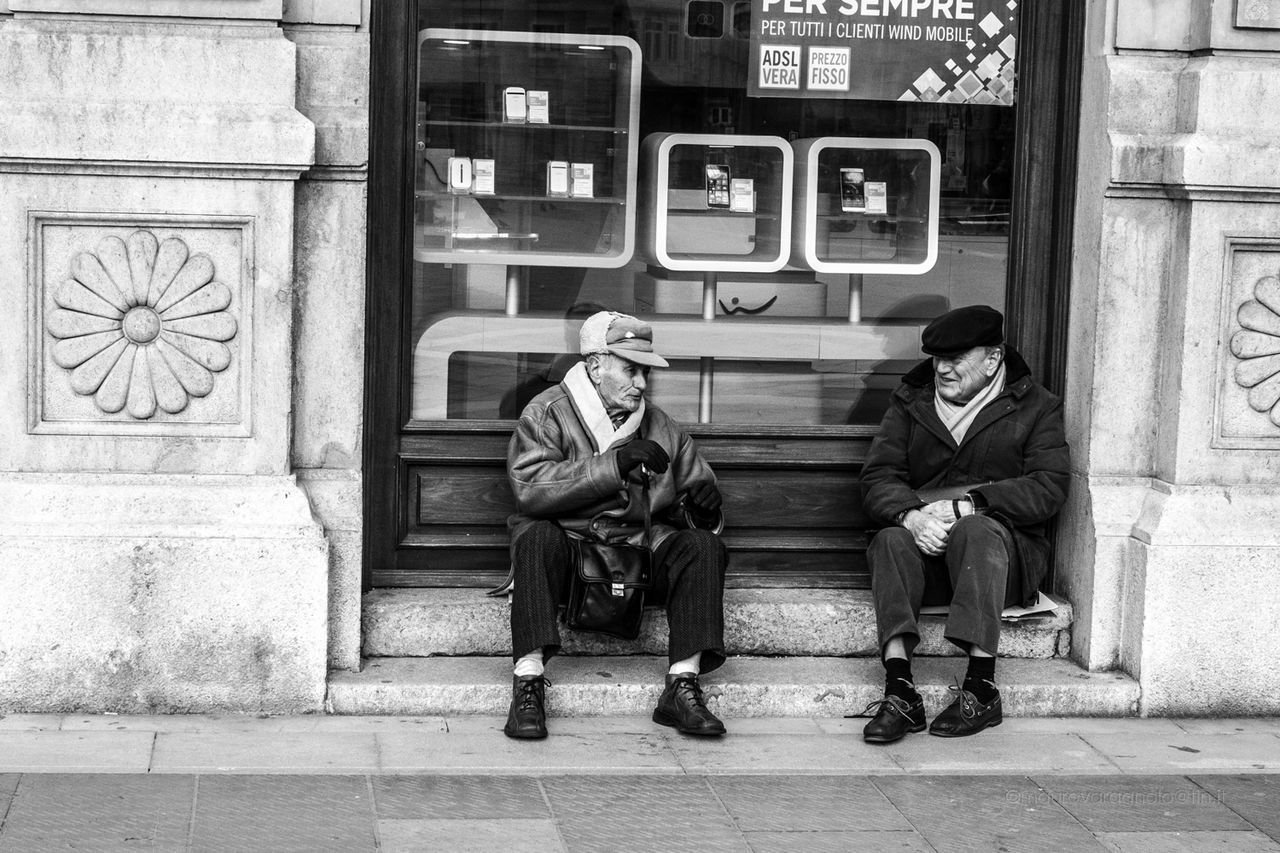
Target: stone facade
(182, 212)
(1169, 549)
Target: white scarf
(590, 408)
(957, 418)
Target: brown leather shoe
(894, 718)
(966, 715)
(683, 707)
(527, 717)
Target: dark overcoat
(1014, 458)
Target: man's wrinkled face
(621, 383)
(959, 378)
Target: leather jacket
(556, 474)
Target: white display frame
(621, 255)
(804, 249)
(655, 209)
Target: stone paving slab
(264, 752)
(283, 813)
(806, 804)
(1256, 798)
(1190, 753)
(30, 722)
(1138, 803)
(460, 797)
(1236, 725)
(68, 812)
(75, 752)
(984, 813)
(780, 754)
(469, 836)
(997, 751)
(495, 753)
(605, 814)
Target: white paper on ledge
(1043, 606)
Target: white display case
(716, 203)
(526, 148)
(866, 205)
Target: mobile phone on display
(717, 185)
(853, 199)
(514, 106)
(558, 178)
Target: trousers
(977, 576)
(688, 574)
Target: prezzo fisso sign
(950, 51)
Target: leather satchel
(608, 582)
(607, 587)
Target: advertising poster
(948, 51)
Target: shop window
(787, 244)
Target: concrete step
(805, 622)
(743, 687)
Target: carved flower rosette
(1257, 345)
(141, 325)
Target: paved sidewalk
(399, 784)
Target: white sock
(530, 664)
(692, 664)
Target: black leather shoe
(966, 715)
(527, 718)
(683, 708)
(894, 718)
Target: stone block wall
(1170, 550)
(157, 552)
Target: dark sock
(980, 678)
(897, 679)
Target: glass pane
(575, 156)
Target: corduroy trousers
(688, 569)
(977, 576)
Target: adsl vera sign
(952, 51)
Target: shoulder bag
(608, 581)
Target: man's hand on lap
(929, 532)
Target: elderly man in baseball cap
(970, 464)
(578, 462)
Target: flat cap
(963, 329)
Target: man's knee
(889, 541)
(539, 539)
(976, 529)
(702, 550)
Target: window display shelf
(690, 187)
(526, 127)
(866, 205)
(441, 194)
(539, 208)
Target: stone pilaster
(1170, 551)
(163, 556)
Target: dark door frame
(1051, 33)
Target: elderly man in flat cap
(577, 462)
(970, 464)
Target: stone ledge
(818, 622)
(743, 687)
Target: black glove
(706, 497)
(642, 451)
